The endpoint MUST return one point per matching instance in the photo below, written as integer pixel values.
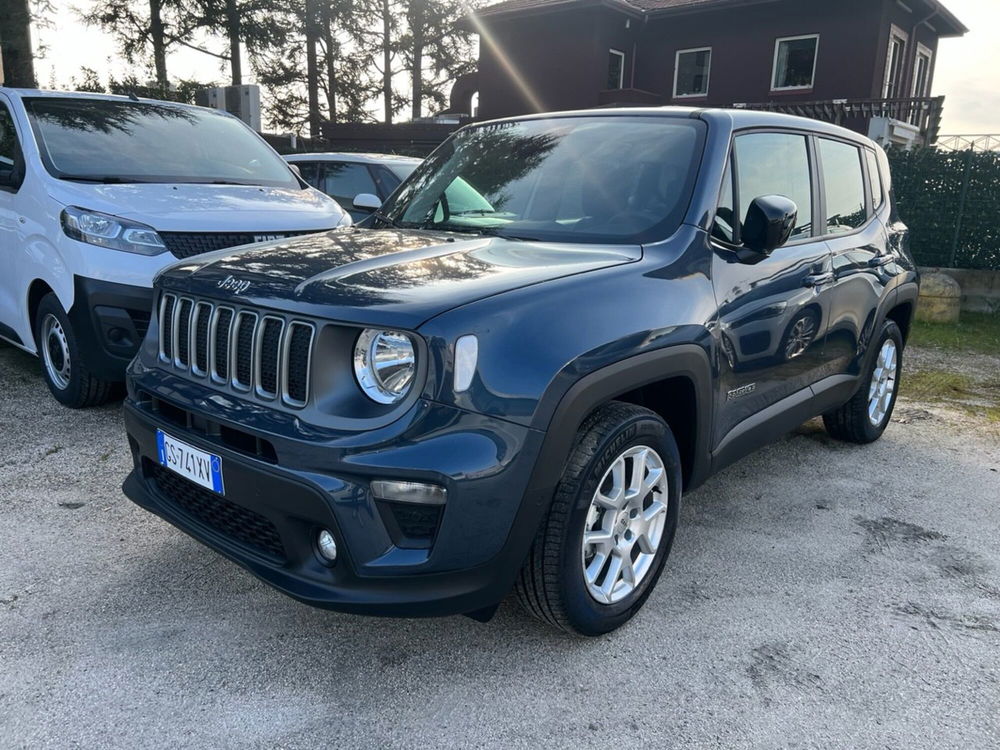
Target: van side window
(11, 173)
(775, 164)
(310, 172)
(724, 226)
(875, 178)
(844, 186)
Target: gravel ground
(819, 595)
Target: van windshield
(103, 140)
(613, 179)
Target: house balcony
(905, 122)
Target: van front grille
(188, 244)
(264, 355)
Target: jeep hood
(395, 278)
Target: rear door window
(843, 186)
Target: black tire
(80, 389)
(851, 422)
(551, 584)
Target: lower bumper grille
(227, 518)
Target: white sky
(968, 69)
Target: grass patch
(975, 332)
(937, 385)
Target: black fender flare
(690, 361)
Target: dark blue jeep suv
(555, 326)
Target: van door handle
(818, 279)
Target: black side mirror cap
(769, 223)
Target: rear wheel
(611, 524)
(864, 418)
(62, 364)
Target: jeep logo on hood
(234, 285)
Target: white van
(98, 193)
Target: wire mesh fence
(950, 199)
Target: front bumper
(277, 500)
(110, 320)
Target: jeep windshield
(117, 141)
(612, 179)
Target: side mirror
(367, 202)
(769, 223)
(295, 168)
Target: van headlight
(111, 232)
(385, 363)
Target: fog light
(327, 546)
(409, 492)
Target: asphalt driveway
(819, 595)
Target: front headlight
(111, 232)
(384, 365)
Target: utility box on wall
(242, 101)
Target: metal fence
(949, 196)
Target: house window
(922, 72)
(616, 69)
(794, 62)
(691, 71)
(894, 64)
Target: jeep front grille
(265, 355)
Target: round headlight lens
(384, 364)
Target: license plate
(199, 466)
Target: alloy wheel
(883, 383)
(625, 524)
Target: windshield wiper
(105, 179)
(385, 219)
(493, 231)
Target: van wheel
(611, 524)
(864, 418)
(62, 366)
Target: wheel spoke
(598, 538)
(655, 509)
(628, 567)
(616, 497)
(645, 544)
(593, 570)
(612, 576)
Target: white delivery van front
(99, 193)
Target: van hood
(188, 207)
(398, 278)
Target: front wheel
(611, 524)
(62, 364)
(864, 418)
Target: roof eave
(485, 14)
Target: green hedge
(951, 202)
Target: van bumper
(110, 320)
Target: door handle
(818, 279)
